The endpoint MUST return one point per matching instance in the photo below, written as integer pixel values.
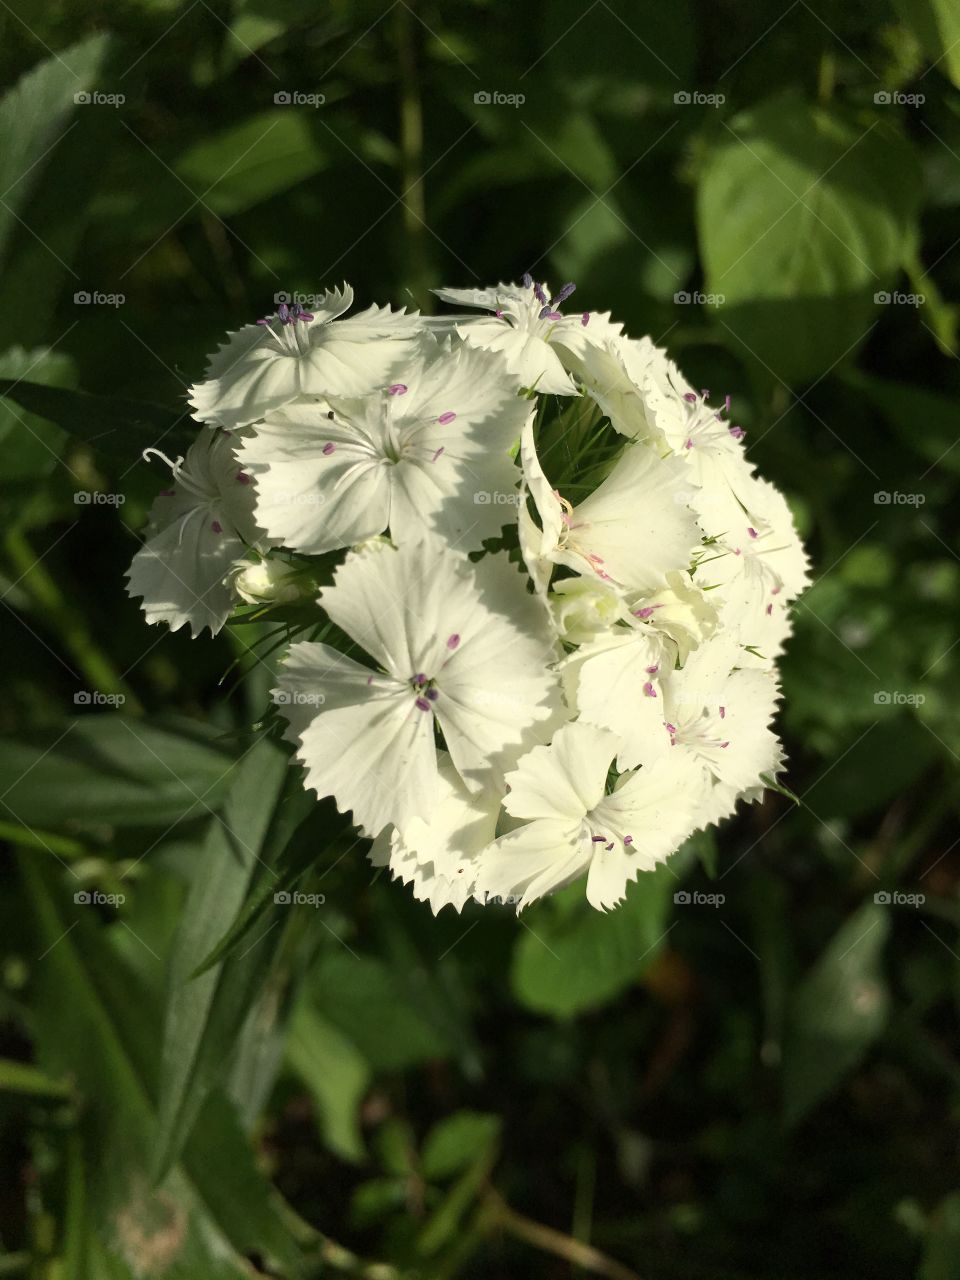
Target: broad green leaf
(836, 1013)
(255, 160)
(800, 226)
(367, 1001)
(936, 24)
(205, 1014)
(107, 769)
(455, 1142)
(100, 1023)
(570, 957)
(34, 115)
(118, 429)
(337, 1075)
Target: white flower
(717, 713)
(633, 530)
(584, 608)
(197, 530)
(614, 373)
(430, 454)
(680, 610)
(298, 352)
(439, 856)
(572, 827)
(529, 329)
(461, 646)
(265, 581)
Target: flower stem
(411, 152)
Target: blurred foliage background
(196, 1081)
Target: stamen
(397, 389)
(433, 694)
(242, 477)
(753, 533)
(649, 691)
(585, 319)
(723, 713)
(540, 296)
(628, 839)
(327, 449)
(737, 432)
(453, 641)
(563, 295)
(216, 526)
(422, 704)
(527, 280)
(446, 418)
(597, 839)
(438, 453)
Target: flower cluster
(532, 590)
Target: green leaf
(571, 957)
(22, 1077)
(906, 407)
(799, 226)
(454, 1143)
(837, 1011)
(31, 445)
(108, 769)
(118, 429)
(33, 116)
(337, 1075)
(214, 1207)
(204, 1015)
(253, 161)
(936, 24)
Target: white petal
(564, 780)
(533, 860)
(368, 744)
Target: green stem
(411, 152)
(63, 846)
(68, 622)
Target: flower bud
(266, 582)
(584, 608)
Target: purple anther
(498, 313)
(723, 713)
(670, 728)
(649, 691)
(628, 839)
(527, 280)
(327, 449)
(453, 641)
(585, 319)
(369, 681)
(559, 298)
(688, 443)
(419, 678)
(723, 745)
(433, 694)
(752, 532)
(609, 846)
(737, 432)
(652, 671)
(242, 477)
(283, 313)
(397, 389)
(598, 839)
(769, 609)
(540, 296)
(438, 453)
(216, 526)
(690, 397)
(446, 418)
(726, 403)
(422, 704)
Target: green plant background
(764, 1088)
